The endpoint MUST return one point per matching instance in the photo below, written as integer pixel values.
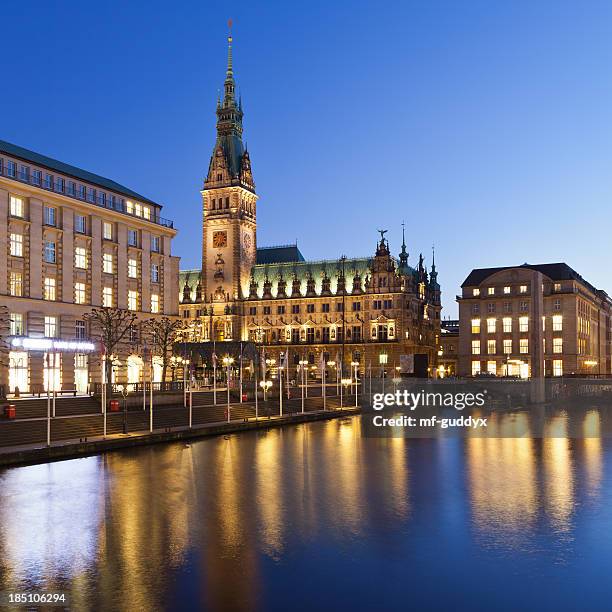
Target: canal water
(317, 517)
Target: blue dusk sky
(485, 126)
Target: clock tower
(229, 220)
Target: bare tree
(110, 327)
(162, 333)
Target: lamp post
(124, 392)
(355, 365)
(303, 363)
(331, 364)
(227, 362)
(346, 383)
(269, 362)
(265, 385)
(382, 360)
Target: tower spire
(403, 253)
(230, 69)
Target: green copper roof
(73, 171)
(279, 254)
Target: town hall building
(376, 311)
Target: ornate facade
(371, 310)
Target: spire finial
(433, 256)
(403, 236)
(230, 70)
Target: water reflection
(207, 525)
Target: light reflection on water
(308, 515)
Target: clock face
(247, 243)
(219, 240)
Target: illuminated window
(146, 212)
(79, 293)
(49, 286)
(107, 297)
(154, 303)
(132, 300)
(507, 347)
(492, 367)
(507, 325)
(50, 253)
(107, 263)
(557, 287)
(491, 291)
(491, 324)
(138, 209)
(475, 368)
(129, 207)
(557, 345)
(132, 268)
(107, 231)
(543, 323)
(557, 322)
(523, 345)
(475, 326)
(80, 257)
(16, 207)
(80, 330)
(523, 324)
(475, 347)
(16, 284)
(523, 289)
(506, 290)
(50, 327)
(16, 324)
(475, 292)
(557, 367)
(491, 347)
(17, 245)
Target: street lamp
(303, 363)
(346, 383)
(383, 358)
(355, 365)
(332, 364)
(124, 392)
(265, 385)
(227, 362)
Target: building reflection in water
(502, 479)
(513, 482)
(203, 523)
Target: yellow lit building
(70, 241)
(533, 320)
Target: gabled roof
(555, 271)
(279, 254)
(73, 171)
